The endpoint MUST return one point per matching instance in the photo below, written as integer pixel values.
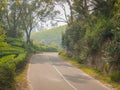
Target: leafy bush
(98, 34)
(20, 61)
(9, 65)
(100, 38)
(115, 76)
(12, 59)
(7, 72)
(8, 50)
(15, 41)
(73, 39)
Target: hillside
(49, 36)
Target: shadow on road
(77, 78)
(42, 59)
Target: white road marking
(64, 78)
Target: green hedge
(7, 72)
(20, 61)
(8, 67)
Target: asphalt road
(48, 72)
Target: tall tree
(104, 7)
(32, 13)
(21, 16)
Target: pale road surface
(48, 72)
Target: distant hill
(50, 36)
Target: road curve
(48, 72)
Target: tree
(67, 18)
(32, 13)
(95, 32)
(2, 31)
(22, 16)
(106, 9)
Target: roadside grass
(21, 80)
(93, 72)
(21, 77)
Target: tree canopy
(94, 32)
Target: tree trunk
(71, 11)
(27, 37)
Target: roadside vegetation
(105, 79)
(93, 37)
(16, 20)
(49, 40)
(49, 37)
(13, 60)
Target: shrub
(9, 65)
(20, 61)
(16, 42)
(94, 36)
(115, 76)
(7, 72)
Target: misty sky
(47, 25)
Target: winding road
(48, 72)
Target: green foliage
(15, 42)
(3, 44)
(45, 48)
(17, 19)
(50, 48)
(94, 37)
(12, 59)
(115, 76)
(2, 34)
(13, 46)
(7, 72)
(98, 34)
(112, 51)
(20, 61)
(3, 4)
(105, 7)
(30, 48)
(48, 37)
(72, 39)
(9, 65)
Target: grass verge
(21, 77)
(93, 72)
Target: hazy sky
(58, 7)
(47, 25)
(61, 15)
